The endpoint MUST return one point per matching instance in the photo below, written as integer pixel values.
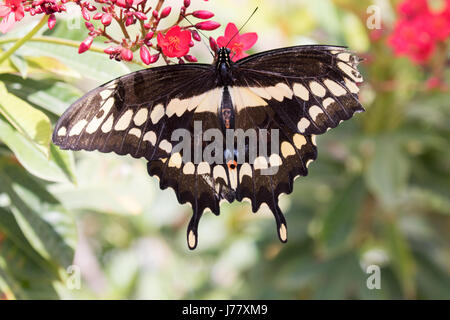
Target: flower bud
(140, 16)
(165, 12)
(126, 54)
(154, 58)
(111, 50)
(190, 58)
(195, 35)
(85, 14)
(97, 16)
(51, 21)
(89, 26)
(85, 45)
(203, 14)
(213, 44)
(147, 25)
(149, 35)
(130, 20)
(187, 3)
(155, 14)
(106, 19)
(145, 55)
(207, 25)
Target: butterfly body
(276, 101)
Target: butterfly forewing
(137, 113)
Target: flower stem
(59, 41)
(27, 37)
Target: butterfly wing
(134, 114)
(312, 88)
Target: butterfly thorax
(223, 66)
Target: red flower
(11, 11)
(419, 30)
(175, 43)
(239, 42)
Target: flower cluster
(151, 41)
(420, 29)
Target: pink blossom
(11, 11)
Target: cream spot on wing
(275, 160)
(283, 232)
(349, 71)
(211, 102)
(299, 140)
(260, 163)
(124, 121)
(219, 172)
(303, 124)
(189, 168)
(175, 160)
(301, 91)
(140, 117)
(335, 88)
(309, 162)
(191, 239)
(261, 92)
(77, 128)
(313, 139)
(233, 178)
(245, 170)
(345, 56)
(157, 113)
(107, 126)
(62, 131)
(97, 120)
(193, 102)
(287, 149)
(203, 168)
(351, 86)
(314, 111)
(105, 94)
(317, 89)
(280, 91)
(242, 98)
(327, 102)
(135, 132)
(176, 106)
(166, 146)
(150, 136)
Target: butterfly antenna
(200, 31)
(254, 11)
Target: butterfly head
(223, 64)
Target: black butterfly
(302, 91)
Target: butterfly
(299, 91)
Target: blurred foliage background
(95, 226)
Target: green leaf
(339, 220)
(51, 65)
(30, 122)
(58, 167)
(388, 171)
(92, 65)
(20, 64)
(403, 261)
(52, 95)
(47, 226)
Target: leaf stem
(26, 38)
